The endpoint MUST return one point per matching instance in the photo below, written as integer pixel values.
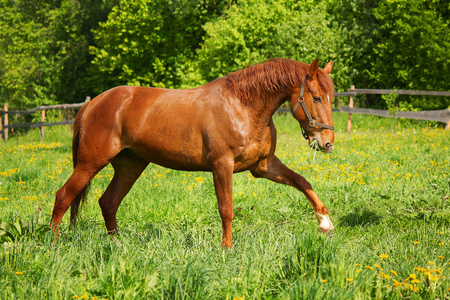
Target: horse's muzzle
(327, 148)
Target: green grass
(387, 191)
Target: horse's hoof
(328, 232)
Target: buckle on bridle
(311, 121)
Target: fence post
(42, 127)
(350, 104)
(5, 122)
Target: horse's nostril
(328, 145)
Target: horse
(223, 127)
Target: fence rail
(430, 115)
(5, 126)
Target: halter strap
(311, 121)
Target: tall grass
(387, 190)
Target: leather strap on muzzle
(311, 122)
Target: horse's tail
(75, 145)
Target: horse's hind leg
(73, 187)
(127, 169)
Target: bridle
(311, 121)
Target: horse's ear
(313, 69)
(328, 67)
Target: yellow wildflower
(416, 242)
(415, 280)
(369, 267)
(384, 256)
(378, 266)
(397, 283)
(19, 273)
(349, 279)
(420, 269)
(324, 280)
(393, 272)
(441, 257)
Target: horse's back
(172, 128)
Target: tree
(398, 44)
(150, 43)
(254, 30)
(44, 49)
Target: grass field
(387, 191)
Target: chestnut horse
(224, 127)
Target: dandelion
(369, 267)
(411, 276)
(324, 280)
(19, 273)
(378, 266)
(384, 256)
(75, 297)
(431, 262)
(397, 283)
(238, 298)
(415, 280)
(420, 269)
(393, 272)
(441, 257)
(199, 179)
(416, 243)
(83, 296)
(349, 279)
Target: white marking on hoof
(325, 224)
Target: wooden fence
(428, 115)
(5, 126)
(433, 115)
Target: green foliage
(149, 42)
(254, 30)
(391, 102)
(398, 43)
(44, 50)
(60, 51)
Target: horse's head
(312, 107)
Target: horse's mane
(270, 77)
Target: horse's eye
(317, 99)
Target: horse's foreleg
(223, 184)
(275, 170)
(127, 170)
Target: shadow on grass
(360, 217)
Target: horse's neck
(268, 105)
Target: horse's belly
(173, 153)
